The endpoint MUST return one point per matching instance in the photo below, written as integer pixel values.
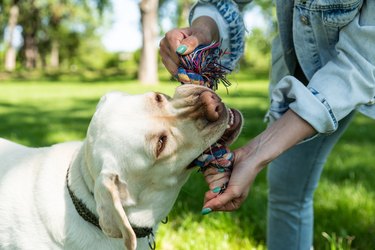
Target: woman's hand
(249, 160)
(203, 30)
(244, 172)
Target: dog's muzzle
(213, 106)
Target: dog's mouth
(234, 127)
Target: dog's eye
(161, 144)
(158, 97)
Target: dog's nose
(213, 105)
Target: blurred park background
(57, 57)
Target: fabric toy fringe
(203, 67)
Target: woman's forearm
(286, 132)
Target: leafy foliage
(44, 22)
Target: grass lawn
(43, 113)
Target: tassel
(203, 67)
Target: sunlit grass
(221, 231)
(43, 113)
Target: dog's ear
(110, 194)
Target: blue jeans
(292, 179)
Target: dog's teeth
(231, 118)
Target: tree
(10, 54)
(31, 22)
(148, 66)
(64, 13)
(47, 26)
(269, 11)
(58, 14)
(148, 71)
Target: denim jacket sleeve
(230, 23)
(345, 83)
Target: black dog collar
(89, 216)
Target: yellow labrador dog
(111, 190)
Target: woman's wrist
(206, 28)
(254, 154)
(286, 132)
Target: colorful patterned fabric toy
(218, 156)
(203, 67)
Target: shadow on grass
(344, 221)
(33, 125)
(353, 155)
(83, 76)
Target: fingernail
(181, 49)
(206, 210)
(216, 190)
(220, 170)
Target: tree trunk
(31, 51)
(148, 68)
(30, 38)
(55, 63)
(11, 52)
(10, 59)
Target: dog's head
(139, 147)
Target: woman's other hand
(183, 41)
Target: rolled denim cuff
(316, 110)
(306, 102)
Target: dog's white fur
(128, 170)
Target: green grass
(43, 113)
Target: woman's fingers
(227, 201)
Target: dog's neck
(81, 182)
(80, 185)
